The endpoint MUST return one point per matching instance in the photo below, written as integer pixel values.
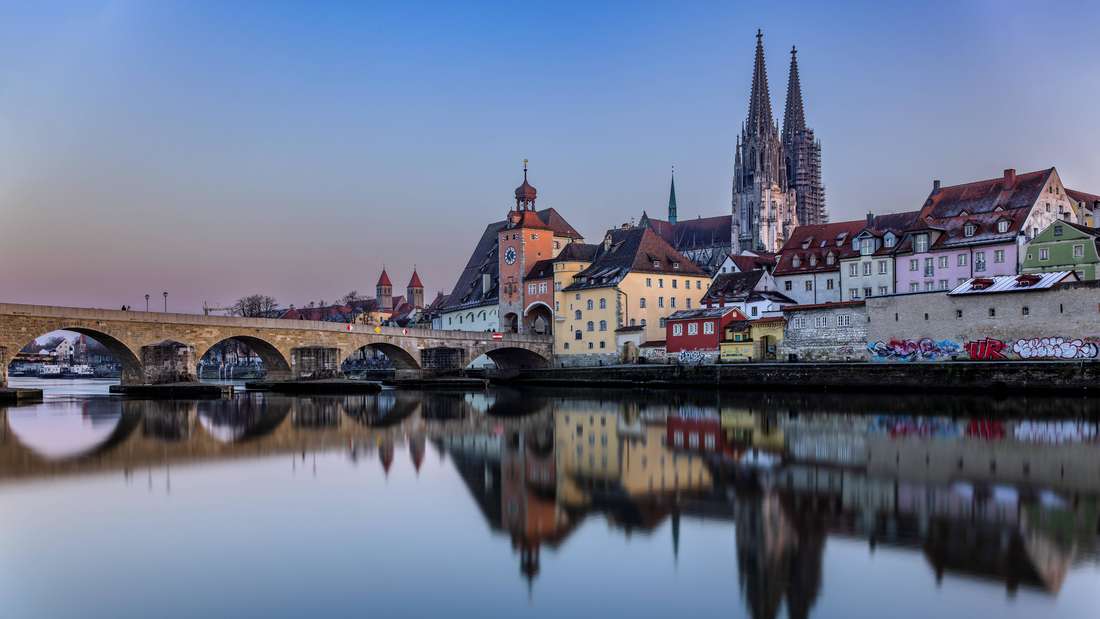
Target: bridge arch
(275, 362)
(401, 358)
(538, 318)
(133, 373)
(512, 356)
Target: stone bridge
(289, 348)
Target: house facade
(808, 267)
(751, 292)
(694, 336)
(826, 332)
(870, 269)
(1064, 246)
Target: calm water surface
(549, 504)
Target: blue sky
(217, 149)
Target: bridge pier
(314, 362)
(3, 367)
(167, 362)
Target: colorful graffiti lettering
(923, 349)
(988, 349)
(1055, 348)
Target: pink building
(976, 229)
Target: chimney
(485, 282)
(1010, 177)
(936, 185)
(870, 219)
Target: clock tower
(524, 240)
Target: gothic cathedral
(776, 177)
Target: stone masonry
(125, 333)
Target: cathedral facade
(777, 176)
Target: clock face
(510, 255)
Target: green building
(1063, 246)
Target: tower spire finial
(760, 103)
(794, 116)
(672, 198)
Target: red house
(698, 329)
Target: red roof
(415, 282)
(1010, 191)
(384, 280)
(1082, 196)
(764, 261)
(812, 245)
(814, 306)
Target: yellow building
(649, 467)
(634, 278)
(755, 340)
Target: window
(603, 303)
(603, 344)
(1044, 253)
(754, 310)
(656, 264)
(866, 247)
(1025, 310)
(813, 260)
(557, 306)
(603, 325)
(882, 267)
(1057, 230)
(943, 284)
(674, 283)
(589, 304)
(708, 328)
(867, 292)
(787, 285)
(992, 312)
(853, 269)
(920, 243)
(641, 302)
(531, 288)
(866, 268)
(542, 288)
(809, 285)
(796, 261)
(914, 265)
(708, 441)
(1002, 226)
(660, 301)
(649, 282)
(889, 240)
(698, 284)
(821, 322)
(660, 282)
(929, 285)
(969, 229)
(998, 256)
(844, 320)
(882, 291)
(962, 260)
(693, 328)
(943, 262)
(830, 258)
(591, 326)
(675, 265)
(590, 346)
(829, 284)
(689, 303)
(979, 261)
(677, 330)
(577, 315)
(929, 269)
(672, 301)
(914, 287)
(853, 293)
(642, 322)
(577, 334)
(800, 322)
(1078, 251)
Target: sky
(218, 149)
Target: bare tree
(254, 306)
(349, 297)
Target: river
(549, 503)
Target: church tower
(672, 199)
(763, 199)
(524, 240)
(415, 291)
(383, 291)
(802, 154)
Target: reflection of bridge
(287, 347)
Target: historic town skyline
(215, 153)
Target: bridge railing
(94, 314)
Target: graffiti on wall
(692, 357)
(924, 349)
(988, 349)
(1055, 348)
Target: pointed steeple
(672, 198)
(794, 117)
(760, 101)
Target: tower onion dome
(525, 193)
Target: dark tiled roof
(576, 252)
(764, 261)
(557, 223)
(731, 286)
(812, 245)
(542, 269)
(702, 312)
(632, 249)
(1082, 196)
(690, 234)
(985, 196)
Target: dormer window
(806, 243)
(796, 261)
(656, 264)
(866, 246)
(676, 265)
(813, 260)
(920, 243)
(830, 258)
(890, 240)
(1002, 226)
(969, 229)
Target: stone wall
(1057, 323)
(168, 362)
(836, 341)
(586, 360)
(3, 367)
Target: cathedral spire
(794, 117)
(672, 198)
(760, 101)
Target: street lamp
(165, 301)
(147, 302)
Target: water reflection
(1006, 499)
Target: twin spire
(760, 102)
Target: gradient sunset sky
(224, 148)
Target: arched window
(577, 315)
(796, 261)
(641, 302)
(603, 325)
(830, 258)
(577, 334)
(643, 322)
(603, 303)
(591, 325)
(589, 304)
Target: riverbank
(1077, 378)
(10, 395)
